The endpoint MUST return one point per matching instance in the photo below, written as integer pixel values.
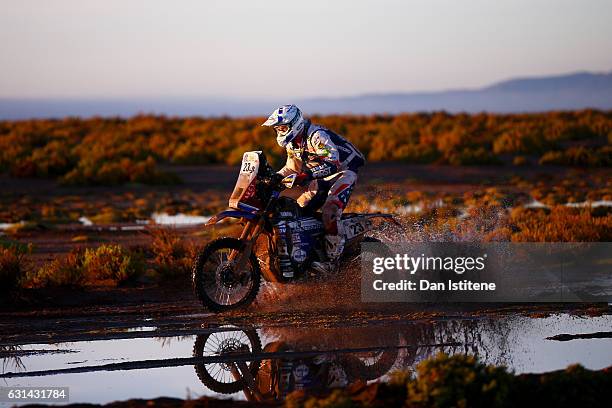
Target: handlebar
(279, 181)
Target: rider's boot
(334, 246)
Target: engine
(295, 237)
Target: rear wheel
(351, 259)
(216, 282)
(371, 365)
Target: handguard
(290, 180)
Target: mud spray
(343, 292)
(336, 294)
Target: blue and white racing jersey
(321, 153)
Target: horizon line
(302, 98)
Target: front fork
(249, 235)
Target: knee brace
(332, 213)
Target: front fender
(231, 214)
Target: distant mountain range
(564, 92)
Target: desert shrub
(416, 153)
(172, 255)
(107, 215)
(559, 224)
(574, 188)
(114, 151)
(575, 386)
(458, 381)
(192, 152)
(106, 265)
(522, 139)
(578, 132)
(472, 156)
(115, 172)
(462, 381)
(66, 271)
(112, 264)
(12, 267)
(579, 156)
(552, 157)
(335, 399)
(54, 159)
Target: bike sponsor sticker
(299, 255)
(300, 372)
(309, 224)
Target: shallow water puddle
(174, 220)
(349, 353)
(109, 386)
(179, 219)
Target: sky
(291, 49)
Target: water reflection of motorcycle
(272, 378)
(227, 272)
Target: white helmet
(288, 123)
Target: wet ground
(174, 350)
(146, 343)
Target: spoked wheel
(219, 376)
(217, 283)
(372, 365)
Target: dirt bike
(268, 374)
(227, 273)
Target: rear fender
(356, 225)
(386, 217)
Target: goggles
(282, 129)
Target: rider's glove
(276, 179)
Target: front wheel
(218, 376)
(216, 282)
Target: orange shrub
(12, 268)
(560, 224)
(107, 151)
(173, 256)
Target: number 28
(248, 167)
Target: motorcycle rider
(328, 163)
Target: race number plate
(245, 188)
(356, 226)
(250, 163)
